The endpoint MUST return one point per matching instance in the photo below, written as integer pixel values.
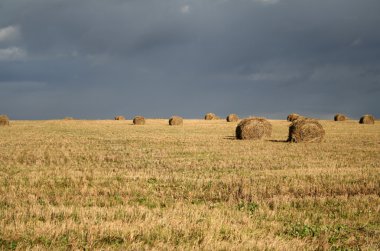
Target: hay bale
(211, 116)
(293, 116)
(232, 118)
(119, 118)
(175, 120)
(340, 117)
(253, 128)
(68, 118)
(139, 120)
(4, 120)
(306, 130)
(367, 119)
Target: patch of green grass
(110, 240)
(338, 233)
(250, 207)
(300, 230)
(143, 201)
(8, 244)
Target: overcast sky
(97, 59)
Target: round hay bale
(139, 120)
(211, 116)
(268, 127)
(4, 120)
(306, 130)
(119, 118)
(367, 119)
(340, 117)
(68, 118)
(175, 120)
(253, 128)
(293, 116)
(232, 118)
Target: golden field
(80, 184)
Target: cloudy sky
(95, 59)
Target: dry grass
(106, 185)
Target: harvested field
(106, 185)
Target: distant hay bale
(367, 119)
(119, 118)
(4, 120)
(139, 120)
(293, 116)
(211, 116)
(340, 117)
(306, 130)
(175, 120)
(253, 128)
(232, 118)
(68, 118)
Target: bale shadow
(230, 138)
(278, 141)
(270, 140)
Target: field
(111, 185)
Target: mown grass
(111, 185)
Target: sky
(95, 59)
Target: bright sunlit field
(80, 184)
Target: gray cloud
(93, 59)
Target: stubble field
(111, 185)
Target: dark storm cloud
(94, 59)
